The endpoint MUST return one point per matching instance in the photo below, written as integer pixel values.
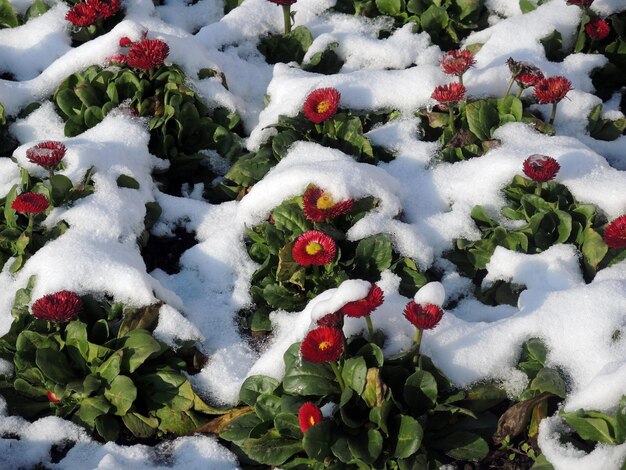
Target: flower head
(314, 247)
(552, 89)
(580, 3)
(323, 344)
(116, 59)
(457, 62)
(366, 306)
(321, 104)
(525, 74)
(541, 168)
(308, 415)
(319, 205)
(597, 28)
(105, 8)
(423, 316)
(147, 54)
(449, 94)
(30, 203)
(61, 306)
(126, 42)
(52, 397)
(331, 319)
(615, 233)
(82, 14)
(46, 154)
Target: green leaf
(91, 408)
(23, 387)
(178, 422)
(60, 188)
(307, 378)
(256, 385)
(281, 297)
(527, 6)
(267, 406)
(510, 106)
(139, 346)
(482, 118)
(54, 365)
(594, 249)
(354, 373)
(289, 217)
(121, 393)
(366, 447)
(373, 254)
(420, 391)
(108, 427)
(240, 428)
(8, 19)
(463, 445)
(318, 440)
(271, 448)
(542, 463)
(408, 434)
(141, 426)
(553, 44)
(596, 429)
(549, 380)
(434, 19)
(287, 425)
(125, 181)
(389, 7)
(282, 141)
(69, 103)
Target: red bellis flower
(30, 203)
(615, 233)
(147, 54)
(309, 415)
(82, 14)
(580, 3)
(331, 319)
(457, 62)
(52, 397)
(321, 104)
(552, 89)
(46, 154)
(323, 344)
(423, 316)
(366, 306)
(319, 205)
(541, 168)
(597, 29)
(449, 94)
(314, 247)
(61, 306)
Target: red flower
(82, 14)
(457, 62)
(52, 397)
(331, 319)
(597, 28)
(126, 42)
(552, 89)
(541, 168)
(529, 79)
(424, 317)
(323, 344)
(105, 8)
(580, 3)
(321, 104)
(319, 205)
(30, 203)
(308, 415)
(615, 233)
(449, 94)
(46, 154)
(314, 247)
(366, 306)
(116, 59)
(147, 54)
(61, 306)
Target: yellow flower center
(324, 345)
(323, 106)
(312, 420)
(325, 201)
(313, 248)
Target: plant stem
(451, 123)
(337, 372)
(287, 17)
(417, 358)
(508, 88)
(370, 327)
(51, 173)
(461, 79)
(553, 114)
(29, 228)
(538, 189)
(519, 93)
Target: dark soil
(164, 252)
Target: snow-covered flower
(147, 54)
(30, 203)
(61, 306)
(365, 306)
(449, 94)
(319, 205)
(552, 89)
(314, 247)
(457, 62)
(323, 344)
(597, 28)
(46, 154)
(321, 104)
(423, 316)
(615, 233)
(541, 168)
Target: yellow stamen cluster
(324, 345)
(323, 106)
(325, 201)
(313, 248)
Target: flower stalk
(335, 368)
(287, 17)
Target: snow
(473, 342)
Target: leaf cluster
(10, 19)
(108, 371)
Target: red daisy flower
(366, 306)
(319, 205)
(323, 344)
(615, 233)
(147, 54)
(424, 317)
(580, 3)
(105, 8)
(46, 154)
(308, 415)
(82, 14)
(30, 203)
(321, 104)
(597, 28)
(541, 168)
(552, 89)
(116, 59)
(449, 94)
(331, 319)
(52, 397)
(61, 306)
(314, 247)
(126, 42)
(457, 62)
